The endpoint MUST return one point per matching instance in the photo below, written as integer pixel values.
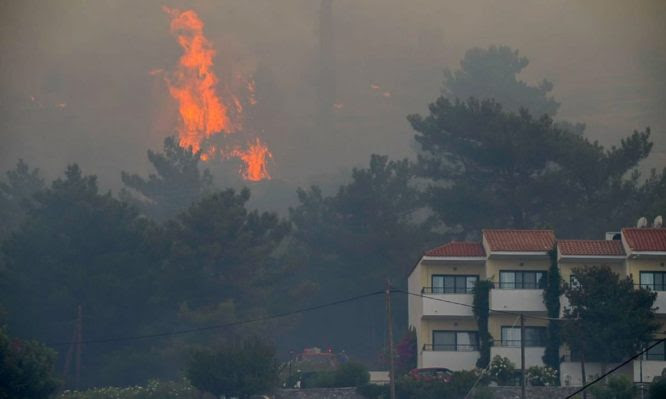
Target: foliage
(489, 168)
(481, 311)
(80, 247)
(608, 319)
(493, 73)
(153, 389)
(406, 351)
(373, 391)
(351, 374)
(241, 369)
(352, 240)
(542, 376)
(620, 387)
(177, 184)
(657, 388)
(26, 369)
(408, 388)
(502, 370)
(16, 194)
(482, 393)
(551, 298)
(462, 381)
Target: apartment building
(517, 261)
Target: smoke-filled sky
(76, 82)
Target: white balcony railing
(518, 300)
(453, 305)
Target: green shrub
(152, 390)
(618, 388)
(462, 381)
(482, 393)
(502, 370)
(351, 375)
(658, 388)
(542, 376)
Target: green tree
(481, 312)
(15, 194)
(608, 319)
(551, 298)
(492, 73)
(351, 374)
(80, 247)
(352, 241)
(406, 352)
(491, 168)
(620, 387)
(26, 369)
(235, 370)
(176, 184)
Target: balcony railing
(515, 343)
(513, 285)
(450, 348)
(447, 290)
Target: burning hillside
(208, 107)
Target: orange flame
(255, 159)
(192, 84)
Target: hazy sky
(76, 85)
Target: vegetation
(542, 376)
(657, 388)
(608, 319)
(153, 389)
(406, 352)
(502, 371)
(620, 387)
(481, 311)
(551, 298)
(235, 370)
(26, 369)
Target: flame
(255, 159)
(192, 84)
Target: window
(455, 341)
(534, 336)
(522, 279)
(655, 281)
(453, 284)
(656, 353)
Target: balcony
(517, 300)
(438, 303)
(533, 354)
(461, 358)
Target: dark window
(657, 353)
(455, 341)
(534, 336)
(655, 281)
(453, 284)
(522, 279)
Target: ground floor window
(458, 341)
(655, 281)
(453, 284)
(534, 336)
(522, 279)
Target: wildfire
(203, 113)
(255, 158)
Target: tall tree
(353, 241)
(175, 185)
(80, 247)
(492, 73)
(491, 168)
(608, 319)
(15, 193)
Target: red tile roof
(520, 240)
(591, 247)
(458, 249)
(646, 239)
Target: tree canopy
(490, 168)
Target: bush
(152, 390)
(502, 370)
(482, 393)
(462, 381)
(351, 375)
(658, 388)
(618, 388)
(542, 376)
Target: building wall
(567, 267)
(434, 267)
(635, 266)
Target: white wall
(517, 300)
(451, 360)
(651, 369)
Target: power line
(220, 326)
(615, 368)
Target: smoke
(76, 82)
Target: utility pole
(522, 356)
(389, 325)
(79, 336)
